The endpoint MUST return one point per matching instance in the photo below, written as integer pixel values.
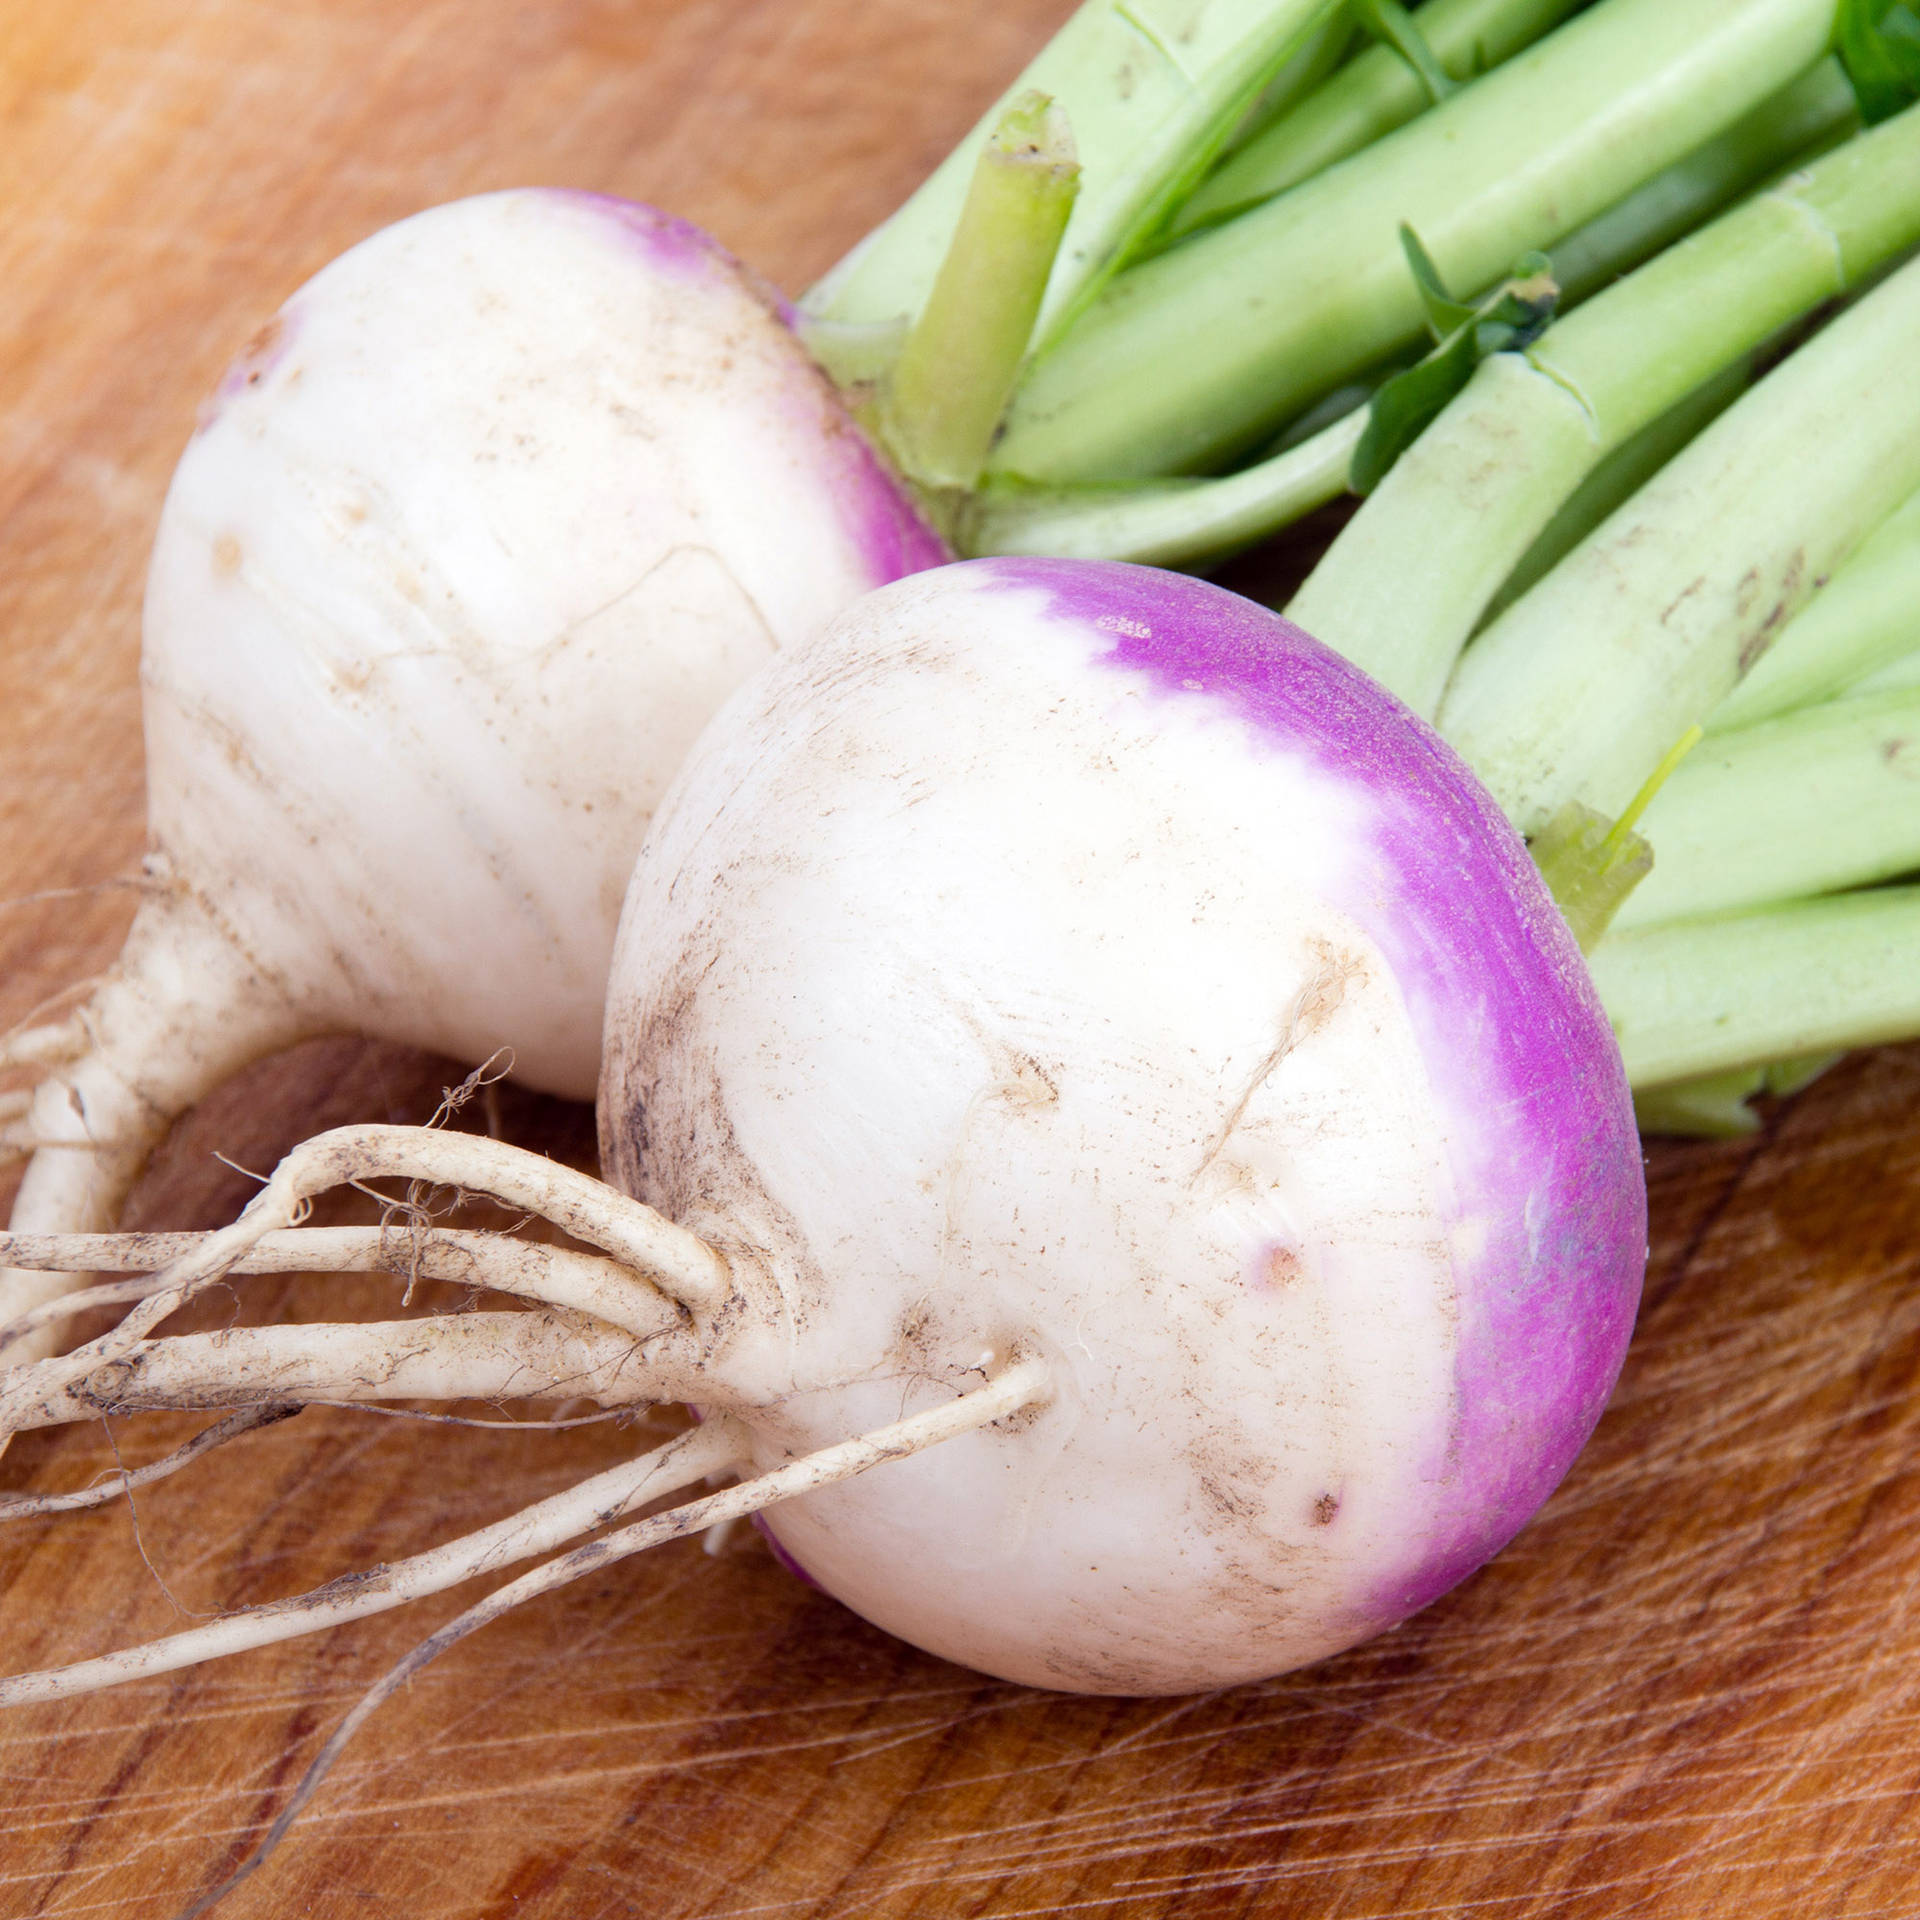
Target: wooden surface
(1691, 1688)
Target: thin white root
(555, 1276)
(57, 1044)
(27, 1506)
(1020, 1386)
(679, 1263)
(465, 1356)
(683, 1265)
(713, 1447)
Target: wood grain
(1692, 1687)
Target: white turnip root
(472, 540)
(1078, 1031)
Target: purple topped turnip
(1077, 962)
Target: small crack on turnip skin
(1078, 956)
(468, 544)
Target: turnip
(1088, 1038)
(471, 541)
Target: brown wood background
(1691, 1688)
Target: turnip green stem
(1478, 488)
(1179, 523)
(1196, 353)
(1619, 476)
(1165, 522)
(1579, 687)
(547, 1524)
(1694, 997)
(1151, 87)
(1715, 1105)
(1810, 802)
(1371, 95)
(1019, 1386)
(1903, 672)
(947, 391)
(1315, 55)
(1790, 127)
(1868, 617)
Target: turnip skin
(470, 542)
(1322, 1202)
(518, 492)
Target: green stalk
(1896, 674)
(1315, 55)
(1200, 351)
(1694, 997)
(1868, 617)
(1716, 1104)
(944, 398)
(1371, 95)
(1481, 484)
(1812, 113)
(1165, 522)
(1619, 476)
(1151, 88)
(1576, 690)
(1187, 522)
(1811, 802)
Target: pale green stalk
(1180, 523)
(1804, 118)
(1202, 350)
(1372, 94)
(1903, 672)
(1619, 476)
(1694, 997)
(1165, 522)
(1810, 802)
(1868, 617)
(1315, 55)
(1411, 575)
(1575, 692)
(947, 391)
(1716, 1104)
(1151, 89)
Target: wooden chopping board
(1692, 1687)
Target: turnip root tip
(596, 1502)
(126, 1480)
